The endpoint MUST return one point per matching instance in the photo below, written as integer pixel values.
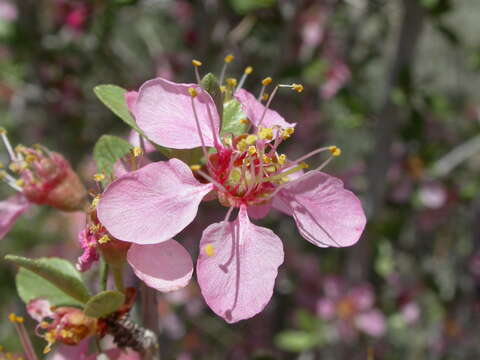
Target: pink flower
(88, 243)
(44, 178)
(238, 260)
(81, 352)
(351, 310)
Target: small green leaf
(31, 286)
(113, 97)
(210, 84)
(296, 341)
(104, 303)
(107, 151)
(58, 272)
(232, 114)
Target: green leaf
(296, 341)
(210, 84)
(245, 6)
(31, 286)
(107, 151)
(232, 114)
(113, 97)
(58, 272)
(104, 303)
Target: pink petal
(152, 204)
(38, 309)
(164, 112)
(254, 110)
(259, 211)
(134, 139)
(237, 267)
(131, 100)
(325, 212)
(10, 210)
(165, 267)
(372, 323)
(77, 352)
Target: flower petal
(152, 204)
(131, 100)
(164, 267)
(254, 110)
(10, 210)
(259, 211)
(371, 322)
(325, 212)
(164, 112)
(237, 267)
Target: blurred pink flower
(8, 11)
(350, 309)
(238, 261)
(44, 178)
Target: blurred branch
(390, 116)
(455, 157)
(389, 120)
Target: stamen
(265, 133)
(252, 150)
(274, 92)
(248, 70)
(10, 181)
(11, 153)
(314, 152)
(251, 139)
(137, 151)
(229, 212)
(325, 163)
(335, 151)
(265, 83)
(18, 321)
(98, 177)
(104, 239)
(214, 182)
(193, 94)
(228, 59)
(196, 64)
(95, 201)
(195, 167)
(286, 133)
(264, 97)
(293, 170)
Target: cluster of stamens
(248, 169)
(31, 169)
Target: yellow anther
(244, 121)
(250, 139)
(252, 149)
(267, 81)
(20, 182)
(335, 151)
(209, 250)
(297, 87)
(265, 133)
(66, 333)
(137, 151)
(265, 97)
(99, 177)
(195, 167)
(223, 88)
(304, 165)
(192, 92)
(232, 82)
(30, 158)
(271, 169)
(196, 63)
(229, 58)
(44, 325)
(15, 319)
(104, 239)
(282, 158)
(3, 131)
(286, 133)
(14, 167)
(94, 228)
(242, 145)
(248, 70)
(266, 159)
(95, 201)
